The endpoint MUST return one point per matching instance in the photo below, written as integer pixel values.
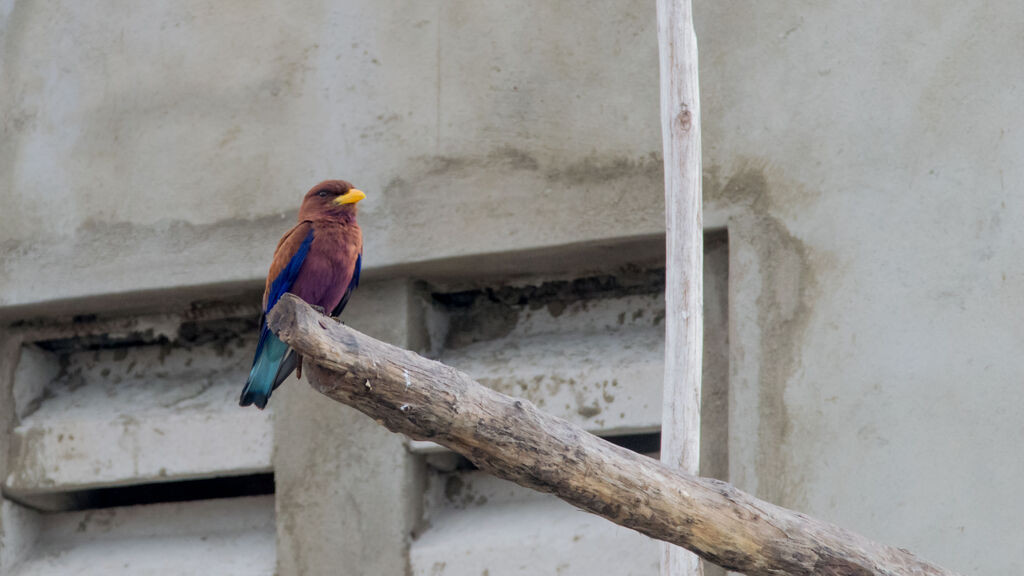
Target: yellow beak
(351, 197)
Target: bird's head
(330, 199)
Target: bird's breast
(329, 266)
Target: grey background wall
(860, 159)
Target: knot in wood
(684, 119)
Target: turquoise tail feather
(270, 352)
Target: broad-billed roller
(318, 260)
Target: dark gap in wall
(163, 492)
(714, 406)
(101, 342)
(647, 443)
(630, 280)
(189, 332)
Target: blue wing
(287, 276)
(269, 367)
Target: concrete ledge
(229, 537)
(105, 410)
(210, 278)
(597, 363)
(75, 454)
(481, 525)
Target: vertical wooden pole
(684, 321)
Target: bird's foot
(298, 368)
(319, 309)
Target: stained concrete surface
(348, 491)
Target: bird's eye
(322, 193)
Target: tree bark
(684, 295)
(512, 439)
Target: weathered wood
(512, 439)
(684, 295)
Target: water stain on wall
(789, 286)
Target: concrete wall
(867, 157)
(190, 130)
(860, 157)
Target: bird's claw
(298, 368)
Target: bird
(319, 261)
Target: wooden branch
(684, 293)
(512, 439)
